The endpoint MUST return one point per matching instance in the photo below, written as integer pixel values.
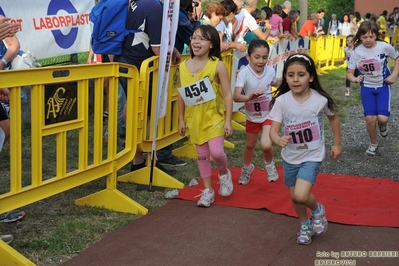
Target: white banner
(51, 27)
(170, 20)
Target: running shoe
(304, 236)
(319, 221)
(246, 174)
(207, 198)
(226, 184)
(271, 171)
(383, 130)
(372, 150)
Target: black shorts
(3, 114)
(105, 58)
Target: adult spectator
(225, 28)
(246, 22)
(195, 12)
(320, 24)
(7, 30)
(333, 26)
(185, 27)
(286, 9)
(346, 27)
(213, 14)
(382, 23)
(309, 27)
(144, 16)
(367, 17)
(289, 28)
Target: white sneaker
(226, 184)
(383, 130)
(7, 238)
(246, 174)
(271, 171)
(207, 198)
(347, 92)
(372, 150)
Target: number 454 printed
(198, 92)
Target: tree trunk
(303, 8)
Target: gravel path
(355, 140)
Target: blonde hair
(215, 7)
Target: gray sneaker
(271, 171)
(319, 221)
(304, 236)
(383, 130)
(246, 174)
(207, 198)
(371, 150)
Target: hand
(390, 79)
(336, 151)
(255, 95)
(176, 57)
(283, 141)
(7, 29)
(225, 46)
(228, 129)
(182, 128)
(4, 95)
(358, 79)
(241, 47)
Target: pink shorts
(251, 127)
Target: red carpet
(349, 200)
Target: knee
(299, 198)
(249, 145)
(371, 119)
(266, 147)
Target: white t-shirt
(246, 22)
(256, 110)
(373, 63)
(304, 122)
(348, 52)
(346, 28)
(227, 30)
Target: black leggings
(348, 83)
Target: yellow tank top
(204, 121)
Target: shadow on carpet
(348, 199)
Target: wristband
(4, 61)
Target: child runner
(370, 56)
(254, 87)
(299, 106)
(205, 80)
(348, 49)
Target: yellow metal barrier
(395, 38)
(59, 107)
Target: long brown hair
(367, 26)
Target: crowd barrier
(60, 115)
(59, 106)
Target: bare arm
(222, 76)
(275, 136)
(392, 78)
(336, 129)
(12, 50)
